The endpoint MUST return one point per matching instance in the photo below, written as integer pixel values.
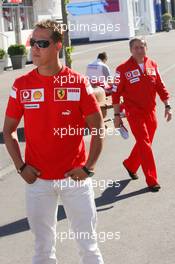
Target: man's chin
(36, 63)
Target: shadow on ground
(111, 194)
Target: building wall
(150, 17)
(158, 15)
(144, 16)
(103, 26)
(123, 22)
(1, 28)
(135, 17)
(42, 9)
(173, 7)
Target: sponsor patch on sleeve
(13, 92)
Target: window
(23, 13)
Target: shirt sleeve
(160, 87)
(88, 102)
(14, 108)
(118, 86)
(106, 71)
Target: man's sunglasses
(39, 43)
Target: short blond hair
(133, 40)
(54, 27)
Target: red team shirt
(49, 106)
(138, 88)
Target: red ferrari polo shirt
(138, 88)
(54, 110)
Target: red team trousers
(143, 128)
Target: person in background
(101, 80)
(138, 81)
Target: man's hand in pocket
(30, 174)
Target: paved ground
(145, 220)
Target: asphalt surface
(144, 220)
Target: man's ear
(59, 45)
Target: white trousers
(42, 207)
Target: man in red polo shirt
(138, 81)
(55, 102)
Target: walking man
(138, 81)
(55, 102)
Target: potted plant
(166, 22)
(18, 55)
(2, 60)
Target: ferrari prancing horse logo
(66, 94)
(61, 93)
